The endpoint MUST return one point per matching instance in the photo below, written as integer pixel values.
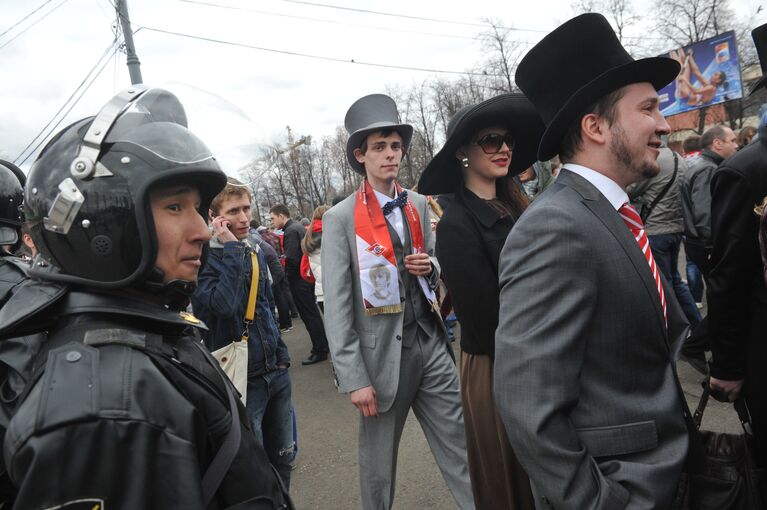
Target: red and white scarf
(379, 278)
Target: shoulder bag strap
(250, 310)
(697, 417)
(221, 463)
(646, 212)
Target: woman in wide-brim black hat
(487, 145)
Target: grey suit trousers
(428, 382)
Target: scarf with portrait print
(379, 278)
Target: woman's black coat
(470, 236)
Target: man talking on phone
(221, 300)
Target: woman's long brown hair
(309, 243)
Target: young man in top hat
(737, 295)
(390, 353)
(584, 372)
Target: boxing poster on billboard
(710, 75)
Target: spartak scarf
(379, 278)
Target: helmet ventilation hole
(101, 245)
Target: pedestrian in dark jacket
(737, 294)
(718, 142)
(302, 291)
(221, 300)
(487, 145)
(286, 309)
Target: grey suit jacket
(366, 350)
(584, 374)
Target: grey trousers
(428, 382)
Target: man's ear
(594, 128)
(358, 155)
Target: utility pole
(134, 66)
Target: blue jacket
(221, 299)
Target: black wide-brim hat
(371, 114)
(576, 65)
(512, 111)
(759, 35)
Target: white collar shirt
(395, 217)
(606, 186)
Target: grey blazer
(584, 375)
(365, 350)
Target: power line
(334, 22)
(25, 17)
(111, 47)
(95, 77)
(420, 18)
(38, 20)
(317, 57)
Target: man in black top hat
(585, 379)
(737, 295)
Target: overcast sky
(238, 96)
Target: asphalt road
(326, 474)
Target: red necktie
(634, 223)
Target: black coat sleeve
(735, 270)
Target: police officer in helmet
(12, 269)
(124, 408)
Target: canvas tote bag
(234, 357)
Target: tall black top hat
(759, 35)
(512, 111)
(574, 66)
(369, 114)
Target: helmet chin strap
(176, 293)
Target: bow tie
(400, 201)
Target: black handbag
(729, 478)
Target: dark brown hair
(280, 209)
(691, 143)
(713, 133)
(605, 108)
(511, 201)
(383, 132)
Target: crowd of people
(550, 224)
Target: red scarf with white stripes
(379, 278)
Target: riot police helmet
(12, 181)
(87, 195)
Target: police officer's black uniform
(125, 408)
(12, 270)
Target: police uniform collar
(77, 302)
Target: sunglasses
(491, 143)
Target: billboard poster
(710, 75)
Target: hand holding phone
(221, 229)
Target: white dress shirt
(606, 186)
(395, 216)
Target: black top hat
(369, 114)
(577, 64)
(759, 35)
(512, 111)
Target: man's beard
(639, 168)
